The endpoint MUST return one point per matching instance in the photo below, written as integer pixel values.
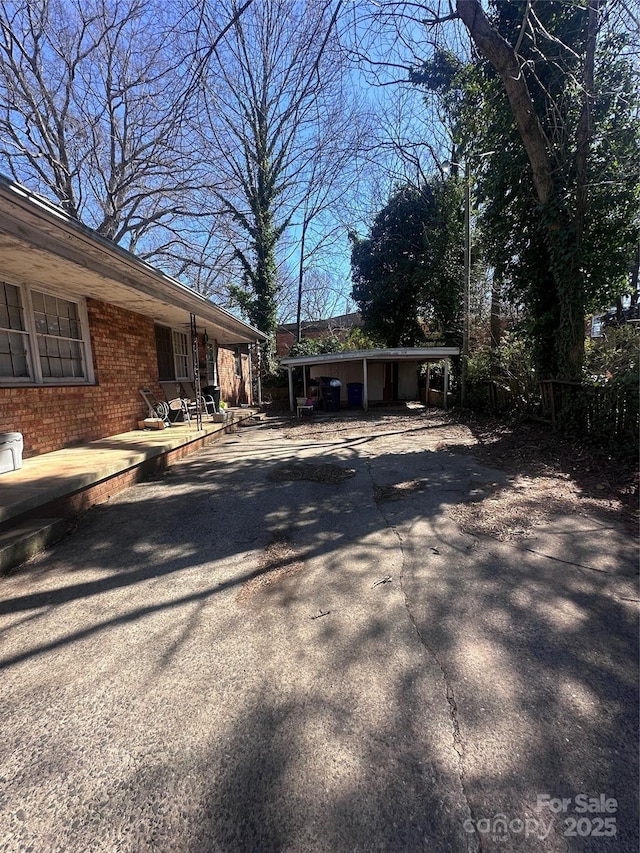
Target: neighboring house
(614, 317)
(339, 327)
(84, 325)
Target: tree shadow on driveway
(165, 713)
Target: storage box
(11, 445)
(151, 423)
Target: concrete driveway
(288, 645)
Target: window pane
(13, 356)
(13, 340)
(11, 315)
(59, 337)
(16, 318)
(12, 296)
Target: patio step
(28, 538)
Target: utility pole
(467, 284)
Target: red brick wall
(284, 341)
(124, 360)
(232, 390)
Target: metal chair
(207, 403)
(177, 403)
(157, 408)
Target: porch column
(291, 399)
(365, 385)
(258, 372)
(304, 381)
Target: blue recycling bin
(354, 394)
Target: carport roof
(42, 245)
(396, 354)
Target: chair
(207, 403)
(157, 409)
(303, 407)
(176, 402)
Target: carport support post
(365, 385)
(446, 381)
(290, 370)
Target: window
(43, 338)
(237, 355)
(14, 339)
(212, 366)
(174, 354)
(181, 355)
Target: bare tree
(272, 94)
(95, 112)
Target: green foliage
(408, 272)
(357, 339)
(316, 346)
(614, 359)
(573, 255)
(510, 368)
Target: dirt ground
(549, 474)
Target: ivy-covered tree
(551, 99)
(271, 93)
(408, 272)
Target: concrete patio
(37, 499)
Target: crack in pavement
(475, 841)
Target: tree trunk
(563, 230)
(495, 327)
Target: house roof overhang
(40, 245)
(418, 354)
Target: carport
(361, 365)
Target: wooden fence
(606, 415)
(603, 413)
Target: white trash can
(11, 444)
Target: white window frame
(179, 356)
(33, 355)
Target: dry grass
(320, 473)
(397, 491)
(279, 561)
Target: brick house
(339, 327)
(84, 325)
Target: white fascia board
(397, 354)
